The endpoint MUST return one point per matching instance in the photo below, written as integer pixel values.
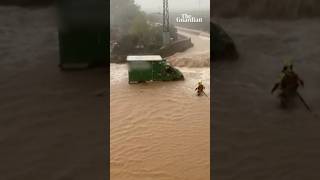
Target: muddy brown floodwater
(254, 138)
(161, 130)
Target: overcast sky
(156, 5)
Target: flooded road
(198, 55)
(52, 122)
(254, 137)
(160, 130)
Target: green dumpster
(82, 33)
(151, 68)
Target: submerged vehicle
(223, 45)
(151, 68)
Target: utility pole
(166, 27)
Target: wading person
(288, 84)
(200, 89)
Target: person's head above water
(284, 68)
(288, 66)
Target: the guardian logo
(187, 18)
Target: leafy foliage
(133, 30)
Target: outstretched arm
(301, 82)
(274, 87)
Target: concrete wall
(183, 43)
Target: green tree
(139, 26)
(122, 14)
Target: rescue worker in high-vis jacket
(288, 84)
(200, 88)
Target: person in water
(288, 84)
(200, 88)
